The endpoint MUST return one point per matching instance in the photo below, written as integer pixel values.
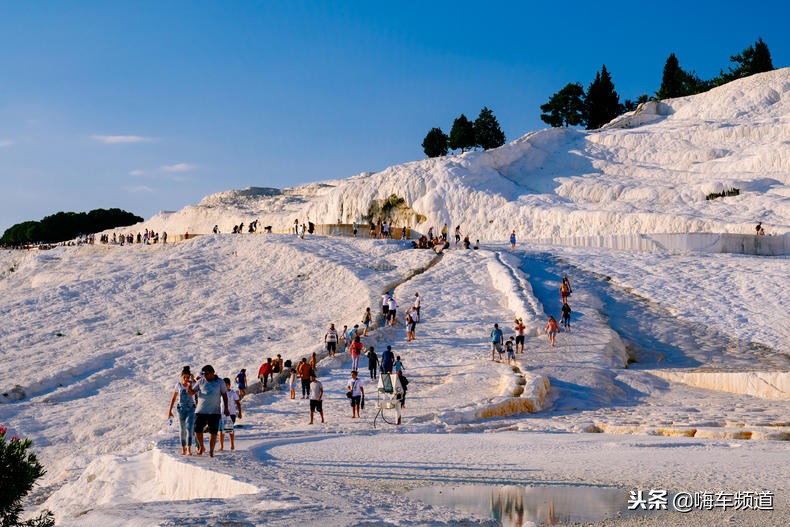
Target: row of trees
(677, 82)
(573, 106)
(64, 226)
(484, 132)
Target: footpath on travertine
(451, 376)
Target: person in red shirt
(264, 372)
(356, 351)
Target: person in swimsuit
(552, 328)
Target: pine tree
(602, 104)
(672, 82)
(565, 108)
(761, 59)
(754, 59)
(435, 143)
(462, 135)
(488, 134)
(677, 82)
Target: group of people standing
(145, 238)
(515, 344)
(202, 403)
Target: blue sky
(150, 106)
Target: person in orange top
(303, 371)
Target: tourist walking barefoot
(241, 383)
(519, 328)
(496, 341)
(316, 397)
(211, 393)
(566, 316)
(565, 289)
(366, 319)
(411, 325)
(387, 360)
(356, 390)
(330, 340)
(229, 421)
(292, 383)
(185, 396)
(552, 328)
(303, 370)
(356, 352)
(510, 351)
(373, 362)
(392, 311)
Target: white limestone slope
(644, 173)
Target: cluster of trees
(67, 226)
(677, 82)
(573, 106)
(484, 132)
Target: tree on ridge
(565, 108)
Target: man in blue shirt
(211, 391)
(496, 341)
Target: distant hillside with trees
(572, 106)
(64, 226)
(596, 106)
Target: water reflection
(522, 506)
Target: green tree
(488, 134)
(630, 106)
(462, 135)
(64, 226)
(672, 82)
(754, 59)
(19, 470)
(565, 108)
(676, 82)
(435, 143)
(602, 104)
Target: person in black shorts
(331, 339)
(385, 305)
(316, 396)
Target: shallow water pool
(527, 505)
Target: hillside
(648, 172)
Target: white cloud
(5, 143)
(180, 179)
(137, 173)
(138, 189)
(178, 167)
(120, 139)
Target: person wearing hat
(212, 394)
